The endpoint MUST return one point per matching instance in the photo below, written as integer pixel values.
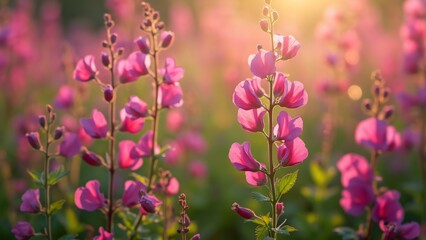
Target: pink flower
(91, 158)
(89, 198)
(170, 95)
(97, 126)
(136, 108)
(34, 139)
(85, 69)
(129, 124)
(166, 39)
(242, 159)
(376, 134)
(193, 141)
(256, 178)
(175, 120)
(262, 64)
(288, 46)
(31, 201)
(144, 147)
(392, 231)
(171, 74)
(174, 153)
(197, 169)
(143, 44)
(172, 187)
(70, 146)
(252, 120)
(387, 208)
(65, 97)
(138, 63)
(23, 231)
(356, 196)
(131, 193)
(246, 94)
(103, 235)
(243, 212)
(292, 152)
(148, 203)
(290, 94)
(288, 128)
(125, 73)
(125, 159)
(352, 166)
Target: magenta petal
(387, 208)
(242, 159)
(85, 69)
(125, 159)
(262, 64)
(376, 134)
(131, 193)
(292, 152)
(171, 74)
(256, 178)
(31, 201)
(97, 126)
(356, 197)
(288, 128)
(129, 124)
(70, 146)
(170, 95)
(252, 120)
(245, 96)
(352, 166)
(103, 235)
(89, 198)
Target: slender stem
(373, 163)
(422, 153)
(165, 224)
(47, 185)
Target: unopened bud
(388, 112)
(166, 39)
(385, 94)
(42, 121)
(264, 25)
(147, 204)
(376, 90)
(147, 23)
(105, 59)
(376, 75)
(104, 44)
(280, 208)
(113, 38)
(91, 158)
(109, 24)
(49, 108)
(275, 16)
(34, 140)
(265, 11)
(107, 17)
(120, 51)
(143, 44)
(59, 132)
(268, 2)
(108, 93)
(367, 105)
(160, 25)
(155, 15)
(243, 212)
(196, 237)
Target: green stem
(369, 220)
(47, 185)
(422, 153)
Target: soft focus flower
(125, 159)
(356, 196)
(352, 166)
(108, 93)
(138, 63)
(290, 94)
(377, 135)
(103, 235)
(387, 208)
(148, 203)
(129, 124)
(172, 187)
(243, 212)
(70, 146)
(85, 69)
(170, 95)
(89, 198)
(125, 73)
(175, 120)
(288, 128)
(34, 139)
(196, 237)
(97, 126)
(174, 153)
(91, 158)
(65, 97)
(136, 108)
(143, 44)
(292, 152)
(242, 159)
(252, 120)
(31, 201)
(197, 169)
(262, 64)
(144, 147)
(193, 141)
(256, 178)
(171, 74)
(23, 231)
(245, 96)
(392, 231)
(166, 39)
(288, 46)
(131, 193)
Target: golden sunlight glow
(355, 92)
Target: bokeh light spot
(355, 92)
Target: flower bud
(109, 24)
(42, 121)
(280, 208)
(34, 140)
(160, 25)
(91, 158)
(113, 38)
(120, 51)
(265, 11)
(376, 90)
(107, 17)
(388, 112)
(268, 2)
(147, 204)
(108, 93)
(166, 39)
(243, 212)
(367, 105)
(143, 44)
(274, 16)
(155, 15)
(385, 94)
(105, 59)
(49, 108)
(59, 132)
(196, 237)
(105, 44)
(264, 25)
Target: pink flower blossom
(138, 63)
(290, 94)
(174, 153)
(85, 69)
(288, 46)
(242, 159)
(252, 120)
(136, 108)
(197, 169)
(125, 159)
(131, 193)
(352, 166)
(172, 187)
(31, 201)
(23, 231)
(103, 235)
(125, 73)
(129, 124)
(70, 146)
(387, 208)
(292, 152)
(65, 97)
(242, 211)
(171, 74)
(166, 39)
(144, 147)
(97, 126)
(170, 95)
(245, 95)
(288, 128)
(356, 197)
(262, 64)
(91, 158)
(193, 141)
(143, 44)
(175, 120)
(376, 134)
(89, 198)
(392, 231)
(148, 203)
(256, 178)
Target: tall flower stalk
(254, 103)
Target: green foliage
(286, 183)
(69, 237)
(38, 178)
(56, 175)
(261, 232)
(260, 197)
(322, 177)
(347, 233)
(56, 206)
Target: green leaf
(56, 175)
(289, 228)
(140, 178)
(321, 177)
(69, 237)
(347, 233)
(37, 178)
(56, 206)
(286, 183)
(261, 232)
(260, 197)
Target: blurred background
(343, 41)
